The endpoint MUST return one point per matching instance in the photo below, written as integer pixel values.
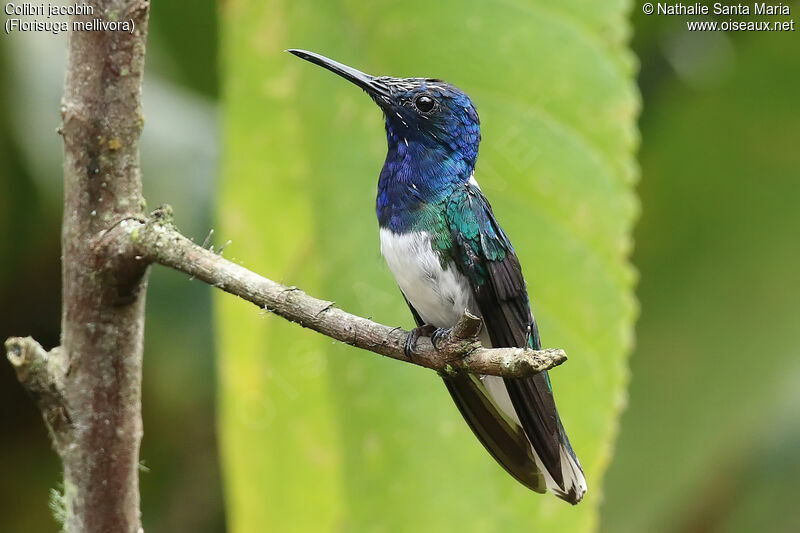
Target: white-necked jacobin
(449, 254)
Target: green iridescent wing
(483, 253)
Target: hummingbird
(448, 254)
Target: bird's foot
(439, 335)
(425, 330)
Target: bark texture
(103, 290)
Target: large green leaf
(319, 436)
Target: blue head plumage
(434, 114)
(433, 133)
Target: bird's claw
(439, 335)
(436, 335)
(426, 330)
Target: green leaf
(320, 436)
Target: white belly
(439, 295)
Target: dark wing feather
(504, 440)
(484, 254)
(500, 436)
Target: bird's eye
(424, 103)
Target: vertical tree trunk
(103, 292)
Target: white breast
(439, 295)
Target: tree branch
(102, 322)
(156, 240)
(42, 373)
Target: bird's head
(426, 112)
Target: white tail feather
(571, 471)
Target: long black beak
(374, 86)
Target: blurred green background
(711, 437)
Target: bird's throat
(418, 174)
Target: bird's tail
(572, 472)
(534, 406)
(517, 422)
